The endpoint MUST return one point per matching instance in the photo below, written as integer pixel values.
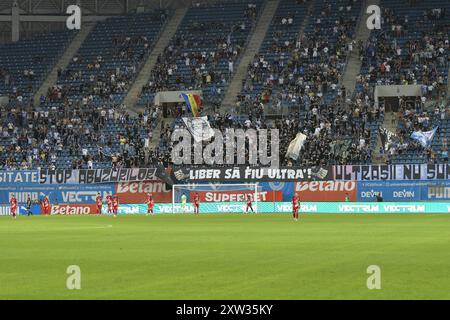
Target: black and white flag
(387, 138)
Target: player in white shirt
(183, 203)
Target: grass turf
(226, 256)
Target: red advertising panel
(72, 209)
(136, 192)
(236, 196)
(326, 191)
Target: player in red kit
(115, 203)
(295, 206)
(46, 206)
(196, 203)
(13, 205)
(99, 202)
(109, 200)
(149, 203)
(249, 203)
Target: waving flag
(295, 146)
(193, 102)
(424, 138)
(387, 138)
(200, 128)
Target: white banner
(392, 172)
(200, 128)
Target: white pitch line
(94, 227)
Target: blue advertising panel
(436, 191)
(22, 191)
(4, 210)
(81, 194)
(27, 177)
(389, 190)
(57, 193)
(421, 190)
(35, 209)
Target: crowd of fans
(419, 55)
(393, 56)
(82, 122)
(25, 63)
(202, 55)
(304, 78)
(339, 133)
(306, 67)
(40, 138)
(413, 116)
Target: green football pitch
(226, 256)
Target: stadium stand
(299, 72)
(25, 64)
(204, 51)
(81, 120)
(401, 54)
(108, 60)
(294, 84)
(267, 72)
(414, 117)
(351, 123)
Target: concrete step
(252, 48)
(167, 34)
(64, 61)
(448, 82)
(156, 132)
(353, 65)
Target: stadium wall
(74, 191)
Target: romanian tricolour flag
(193, 102)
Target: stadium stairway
(448, 82)
(305, 22)
(169, 30)
(64, 60)
(354, 63)
(252, 49)
(156, 134)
